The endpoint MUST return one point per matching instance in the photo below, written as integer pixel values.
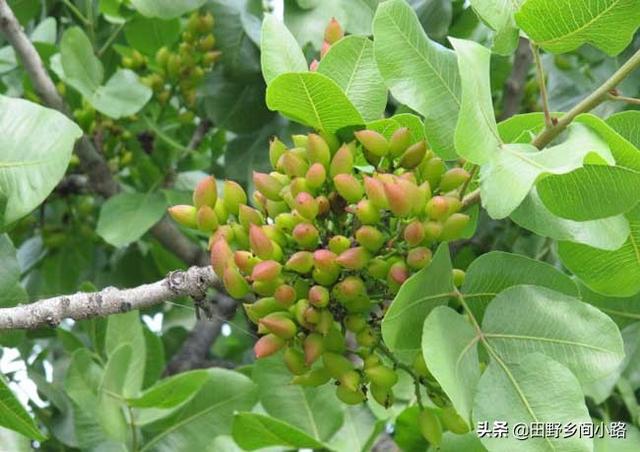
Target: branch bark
(91, 161)
(514, 88)
(50, 312)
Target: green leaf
(523, 319)
(279, 50)
(360, 15)
(468, 442)
(521, 128)
(449, 346)
(123, 95)
(623, 310)
(430, 287)
(126, 329)
(81, 67)
(563, 26)
(166, 9)
(591, 192)
(312, 99)
(14, 416)
(172, 391)
(351, 64)
(476, 135)
(607, 233)
(35, 149)
(537, 389)
(387, 126)
(11, 292)
(419, 72)
(208, 414)
(359, 430)
(615, 273)
(491, 273)
(627, 444)
(253, 431)
(500, 17)
(625, 123)
(624, 152)
(125, 217)
(148, 35)
(307, 23)
(315, 411)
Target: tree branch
(514, 88)
(83, 305)
(91, 161)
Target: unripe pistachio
(294, 360)
(315, 377)
(336, 364)
(324, 49)
(370, 237)
(453, 179)
(382, 376)
(366, 212)
(234, 282)
(399, 142)
(339, 243)
(366, 337)
(350, 397)
(348, 187)
(268, 185)
(221, 211)
(311, 315)
(279, 324)
(325, 277)
(298, 185)
(221, 255)
(211, 57)
(313, 348)
(207, 220)
(399, 200)
(313, 66)
(300, 262)
(286, 222)
(299, 140)
(375, 192)
(383, 396)
(298, 310)
(432, 171)
(319, 296)
(306, 235)
(275, 234)
(420, 366)
(316, 176)
(453, 227)
(207, 43)
(370, 360)
(318, 150)
(292, 164)
(350, 380)
(342, 162)
(437, 208)
(325, 260)
(184, 215)
(266, 271)
(259, 201)
(414, 155)
(430, 426)
(432, 230)
(398, 273)
(418, 258)
(414, 233)
(248, 216)
(260, 244)
(268, 345)
(323, 206)
(326, 321)
(240, 236)
(355, 322)
(378, 268)
(275, 208)
(334, 340)
(245, 261)
(354, 258)
(262, 307)
(205, 193)
(162, 56)
(452, 421)
(233, 196)
(334, 32)
(276, 149)
(306, 205)
(374, 160)
(349, 289)
(458, 277)
(373, 141)
(455, 205)
(224, 232)
(285, 295)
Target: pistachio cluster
(335, 231)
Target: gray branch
(83, 305)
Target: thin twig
(110, 40)
(629, 100)
(471, 199)
(514, 87)
(543, 85)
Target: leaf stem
(543, 85)
(110, 40)
(76, 12)
(629, 100)
(396, 363)
(134, 435)
(589, 103)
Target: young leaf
(491, 273)
(577, 335)
(81, 68)
(254, 431)
(562, 26)
(359, 431)
(476, 136)
(430, 287)
(312, 99)
(449, 346)
(351, 64)
(591, 192)
(537, 389)
(122, 95)
(14, 416)
(126, 329)
(166, 9)
(11, 292)
(419, 72)
(279, 50)
(172, 391)
(127, 216)
(36, 145)
(615, 273)
(148, 35)
(500, 17)
(622, 144)
(625, 123)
